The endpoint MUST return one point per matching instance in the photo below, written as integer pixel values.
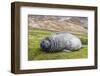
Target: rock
(60, 41)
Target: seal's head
(45, 44)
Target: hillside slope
(77, 25)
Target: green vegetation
(35, 52)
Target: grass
(35, 52)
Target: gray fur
(60, 41)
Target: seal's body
(60, 41)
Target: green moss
(35, 52)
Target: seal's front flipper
(67, 50)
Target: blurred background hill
(75, 25)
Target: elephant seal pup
(60, 41)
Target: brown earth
(77, 25)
